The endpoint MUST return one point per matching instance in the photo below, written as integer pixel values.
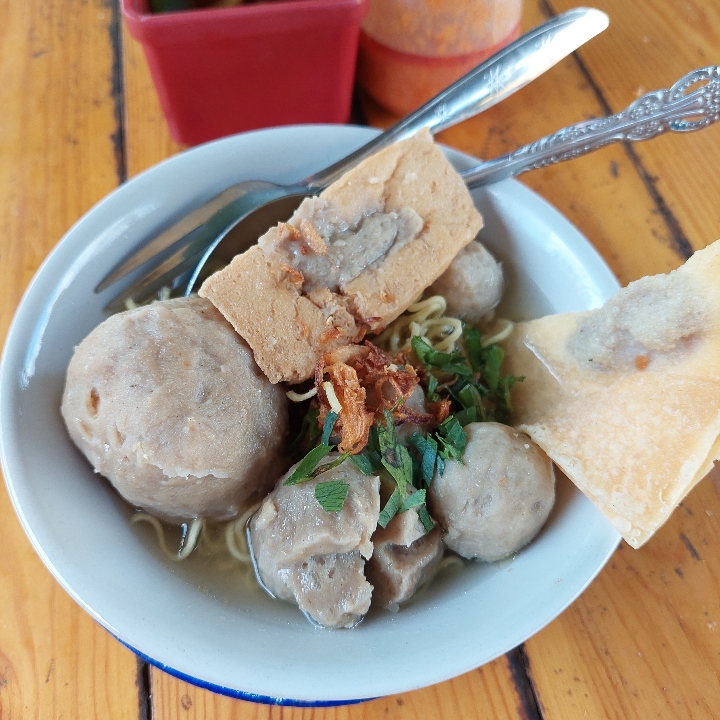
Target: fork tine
(173, 273)
(177, 232)
(175, 237)
(212, 217)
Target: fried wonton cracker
(626, 399)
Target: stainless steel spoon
(255, 205)
(657, 112)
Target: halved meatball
(313, 557)
(167, 402)
(404, 557)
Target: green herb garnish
(328, 426)
(452, 439)
(391, 508)
(395, 457)
(473, 345)
(414, 500)
(427, 448)
(306, 466)
(454, 363)
(502, 394)
(425, 519)
(369, 461)
(470, 378)
(363, 463)
(309, 431)
(467, 416)
(432, 386)
(480, 393)
(331, 494)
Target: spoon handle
(653, 114)
(504, 73)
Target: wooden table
(78, 116)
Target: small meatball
(405, 556)
(472, 285)
(497, 501)
(316, 558)
(167, 402)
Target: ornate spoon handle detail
(657, 112)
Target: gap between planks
(680, 240)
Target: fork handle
(653, 114)
(512, 68)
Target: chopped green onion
(411, 501)
(425, 519)
(328, 426)
(391, 508)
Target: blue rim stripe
(238, 694)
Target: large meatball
(496, 501)
(313, 557)
(472, 285)
(167, 403)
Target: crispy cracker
(635, 437)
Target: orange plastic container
(410, 50)
(219, 71)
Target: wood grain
(59, 129)
(644, 639)
(497, 690)
(58, 144)
(649, 46)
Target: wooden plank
(147, 140)
(493, 691)
(58, 129)
(644, 639)
(649, 46)
(58, 143)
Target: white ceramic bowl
(208, 630)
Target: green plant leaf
(391, 508)
(328, 426)
(306, 466)
(331, 494)
(411, 501)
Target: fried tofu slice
(349, 261)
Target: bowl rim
(10, 353)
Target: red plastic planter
(224, 70)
